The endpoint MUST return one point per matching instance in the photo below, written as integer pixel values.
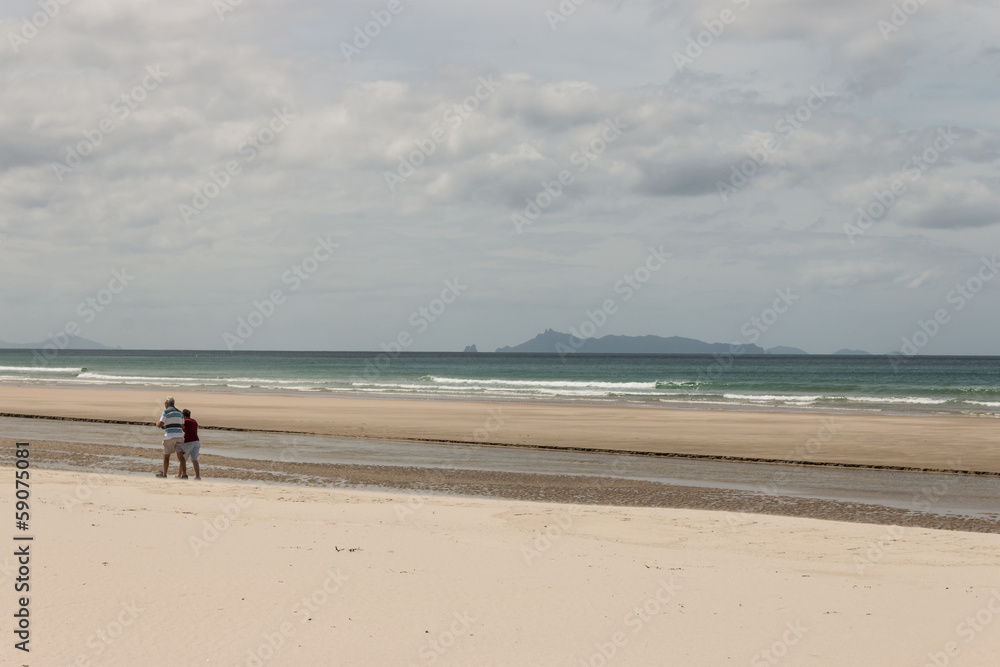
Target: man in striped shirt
(172, 423)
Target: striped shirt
(173, 420)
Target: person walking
(191, 445)
(172, 423)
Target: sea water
(877, 384)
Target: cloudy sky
(181, 164)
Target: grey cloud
(957, 214)
(325, 173)
(683, 178)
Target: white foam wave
(914, 400)
(773, 398)
(699, 401)
(394, 385)
(274, 381)
(449, 387)
(140, 378)
(799, 399)
(511, 387)
(546, 384)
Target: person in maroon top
(191, 445)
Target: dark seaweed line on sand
(554, 448)
(568, 489)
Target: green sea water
(918, 384)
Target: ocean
(871, 384)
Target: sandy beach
(939, 443)
(130, 570)
(270, 562)
(503, 334)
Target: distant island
(784, 349)
(551, 341)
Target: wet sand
(974, 495)
(929, 508)
(902, 442)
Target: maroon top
(190, 430)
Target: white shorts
(171, 445)
(191, 449)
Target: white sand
(449, 581)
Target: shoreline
(651, 404)
(552, 448)
(420, 482)
(940, 444)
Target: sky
(302, 175)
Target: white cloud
(351, 123)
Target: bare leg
(183, 466)
(197, 470)
(166, 464)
